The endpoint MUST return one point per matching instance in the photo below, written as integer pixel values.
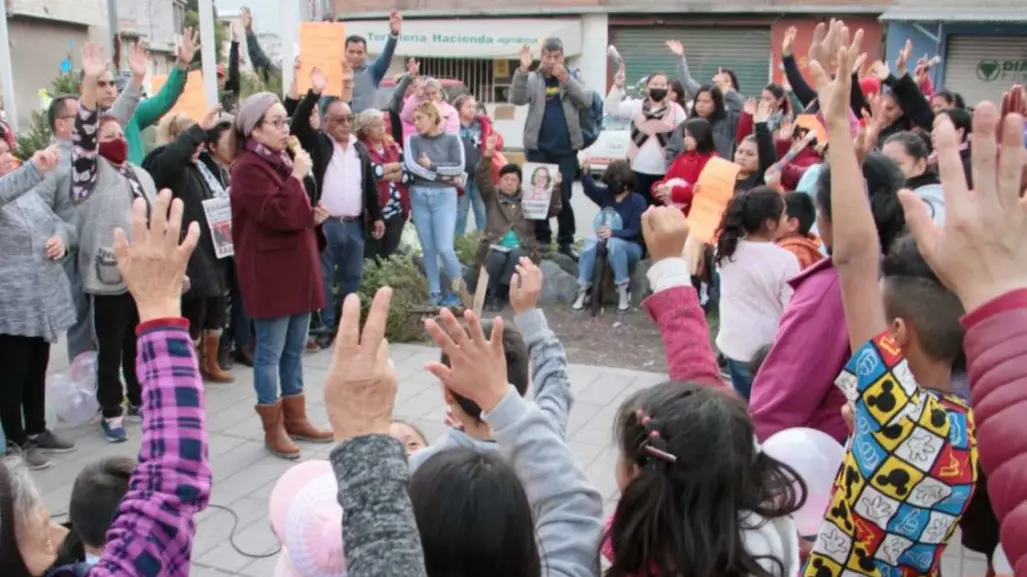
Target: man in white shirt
(346, 189)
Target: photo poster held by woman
(542, 179)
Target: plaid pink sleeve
(153, 531)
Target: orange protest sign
(192, 102)
(322, 45)
(714, 190)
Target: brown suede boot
(275, 438)
(210, 368)
(294, 411)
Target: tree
(192, 20)
(38, 134)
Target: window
(179, 16)
(488, 80)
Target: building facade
(982, 49)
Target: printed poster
(219, 219)
(541, 179)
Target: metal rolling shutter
(970, 61)
(744, 50)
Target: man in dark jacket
(348, 191)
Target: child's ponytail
(696, 474)
(747, 213)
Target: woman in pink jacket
(430, 89)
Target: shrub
(466, 247)
(409, 290)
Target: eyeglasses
(278, 123)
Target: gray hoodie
(548, 377)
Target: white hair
(28, 501)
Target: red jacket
(276, 256)
(390, 154)
(996, 336)
(687, 167)
(683, 328)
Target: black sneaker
(51, 443)
(33, 458)
(133, 413)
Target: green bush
(409, 290)
(466, 247)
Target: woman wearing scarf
(177, 165)
(392, 182)
(278, 266)
(653, 120)
(104, 185)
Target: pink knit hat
(307, 519)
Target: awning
(969, 14)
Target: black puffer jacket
(172, 167)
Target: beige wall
(37, 49)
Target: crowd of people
(895, 329)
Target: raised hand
(47, 159)
(395, 22)
(297, 64)
(979, 253)
(490, 144)
(857, 66)
(750, 106)
(318, 82)
(413, 66)
(789, 41)
(833, 93)
(526, 58)
(138, 60)
(787, 128)
(360, 390)
(153, 263)
(620, 77)
(880, 70)
(676, 47)
(211, 118)
(763, 112)
(236, 32)
(188, 46)
(665, 230)
(247, 19)
(903, 58)
(477, 366)
(525, 286)
(94, 61)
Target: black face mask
(657, 94)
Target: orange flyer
(714, 190)
(322, 45)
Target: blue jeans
(471, 197)
(741, 377)
(279, 355)
(621, 254)
(345, 250)
(434, 212)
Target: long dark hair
(701, 130)
(472, 513)
(883, 181)
(718, 102)
(782, 96)
(747, 213)
(679, 89)
(685, 516)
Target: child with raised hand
(911, 465)
(754, 273)
(696, 491)
(532, 344)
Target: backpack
(590, 118)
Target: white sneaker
(625, 298)
(579, 303)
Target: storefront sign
(469, 38)
(1006, 71)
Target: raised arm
(152, 532)
(300, 124)
(674, 305)
(168, 163)
(617, 106)
(19, 182)
(684, 74)
(520, 85)
(84, 158)
(856, 250)
(233, 82)
(153, 109)
(483, 178)
(802, 91)
(381, 65)
(398, 95)
(125, 106)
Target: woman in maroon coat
(277, 262)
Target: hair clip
(659, 454)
